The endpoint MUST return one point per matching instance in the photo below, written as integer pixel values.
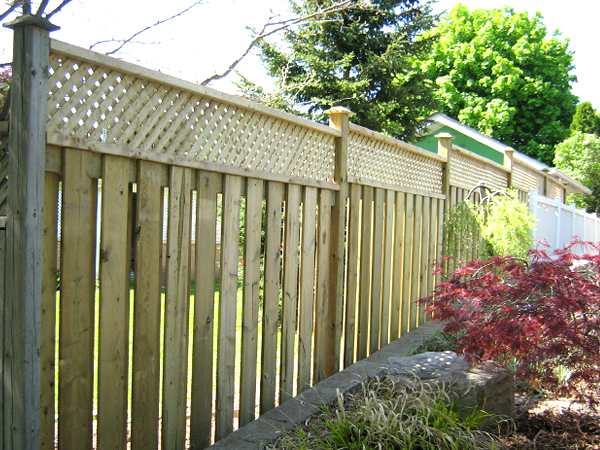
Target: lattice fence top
(101, 99)
(467, 171)
(385, 160)
(527, 179)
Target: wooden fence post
(338, 119)
(445, 150)
(509, 157)
(23, 275)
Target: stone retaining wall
(490, 388)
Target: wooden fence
(328, 236)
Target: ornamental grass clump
(386, 414)
(541, 315)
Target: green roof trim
(431, 143)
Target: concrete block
(489, 387)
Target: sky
(211, 35)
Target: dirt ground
(551, 424)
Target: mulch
(552, 424)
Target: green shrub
(506, 224)
(499, 224)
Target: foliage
(439, 342)
(541, 315)
(506, 224)
(360, 58)
(388, 414)
(579, 157)
(462, 233)
(5, 81)
(499, 72)
(585, 119)
(496, 225)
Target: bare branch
(58, 8)
(42, 7)
(26, 7)
(124, 42)
(10, 9)
(108, 41)
(271, 28)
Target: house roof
(439, 121)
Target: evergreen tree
(499, 72)
(585, 119)
(360, 58)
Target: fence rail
(323, 236)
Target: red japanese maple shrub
(540, 314)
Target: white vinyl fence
(558, 223)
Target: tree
(586, 119)
(579, 157)
(360, 58)
(500, 72)
(24, 7)
(275, 24)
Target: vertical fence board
(251, 299)
(307, 288)
(386, 287)
(228, 306)
(416, 276)
(436, 205)
(397, 274)
(174, 402)
(366, 261)
(204, 307)
(322, 286)
(352, 260)
(49, 307)
(272, 290)
(290, 291)
(426, 238)
(408, 263)
(3, 316)
(76, 350)
(113, 338)
(147, 308)
(376, 267)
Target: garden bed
(546, 423)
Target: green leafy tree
(361, 58)
(586, 119)
(579, 157)
(500, 72)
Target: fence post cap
(444, 135)
(338, 110)
(30, 19)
